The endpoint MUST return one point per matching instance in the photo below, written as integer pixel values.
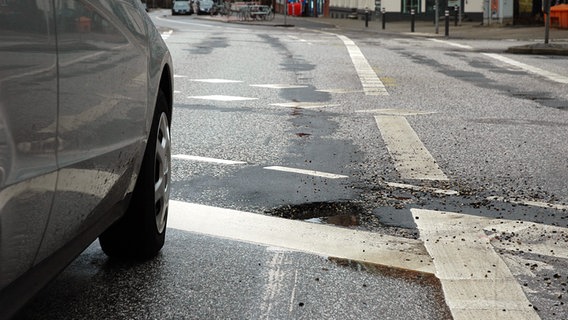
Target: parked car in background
(182, 7)
(204, 6)
(85, 113)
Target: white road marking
(412, 159)
(216, 80)
(222, 98)
(304, 105)
(546, 74)
(476, 281)
(396, 112)
(372, 84)
(340, 90)
(205, 159)
(307, 172)
(278, 86)
(424, 189)
(179, 76)
(302, 236)
(462, 46)
(531, 203)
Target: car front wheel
(141, 232)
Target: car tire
(141, 232)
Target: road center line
(412, 159)
(307, 172)
(372, 84)
(204, 159)
(549, 75)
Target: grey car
(85, 113)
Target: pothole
(346, 214)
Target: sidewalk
(558, 38)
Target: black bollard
(383, 17)
(456, 10)
(412, 20)
(366, 17)
(447, 13)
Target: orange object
(84, 24)
(559, 16)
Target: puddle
(345, 214)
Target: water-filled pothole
(345, 214)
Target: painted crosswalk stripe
(307, 172)
(476, 281)
(372, 84)
(412, 159)
(205, 159)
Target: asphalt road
(453, 146)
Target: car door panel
(101, 129)
(28, 121)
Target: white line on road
(304, 105)
(372, 85)
(396, 112)
(205, 159)
(476, 281)
(222, 98)
(302, 236)
(423, 189)
(307, 172)
(531, 203)
(412, 159)
(457, 45)
(549, 75)
(216, 80)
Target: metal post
(383, 17)
(366, 17)
(447, 14)
(547, 21)
(436, 17)
(456, 16)
(411, 20)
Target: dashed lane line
(278, 86)
(423, 189)
(307, 172)
(205, 159)
(320, 239)
(223, 98)
(476, 281)
(304, 105)
(273, 168)
(412, 159)
(216, 80)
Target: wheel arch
(166, 86)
